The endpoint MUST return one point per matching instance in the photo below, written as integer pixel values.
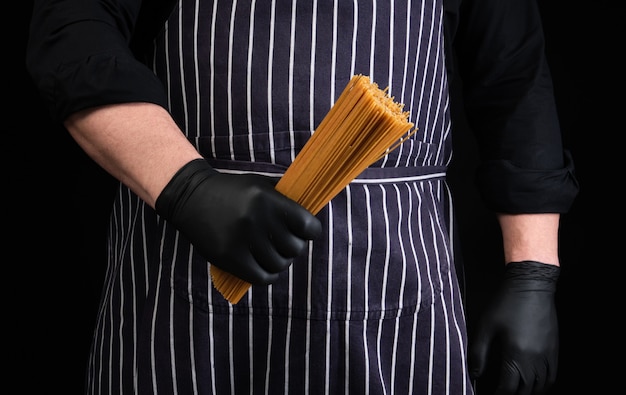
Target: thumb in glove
(238, 222)
(522, 321)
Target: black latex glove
(522, 319)
(238, 222)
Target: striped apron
(373, 306)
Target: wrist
(182, 183)
(530, 237)
(532, 275)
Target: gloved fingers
(552, 366)
(477, 356)
(289, 227)
(511, 381)
(263, 278)
(263, 249)
(246, 267)
(522, 378)
(544, 378)
(540, 385)
(551, 376)
(300, 221)
(288, 245)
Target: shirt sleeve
(510, 106)
(79, 55)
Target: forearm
(530, 237)
(137, 143)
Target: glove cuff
(532, 275)
(181, 185)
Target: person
(197, 107)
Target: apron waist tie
(371, 175)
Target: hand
(522, 318)
(239, 223)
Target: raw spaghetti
(363, 125)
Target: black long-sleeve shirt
(85, 53)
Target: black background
(57, 202)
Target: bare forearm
(530, 237)
(137, 143)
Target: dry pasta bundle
(363, 125)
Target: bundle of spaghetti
(363, 125)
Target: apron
(373, 306)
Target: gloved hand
(238, 222)
(523, 319)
